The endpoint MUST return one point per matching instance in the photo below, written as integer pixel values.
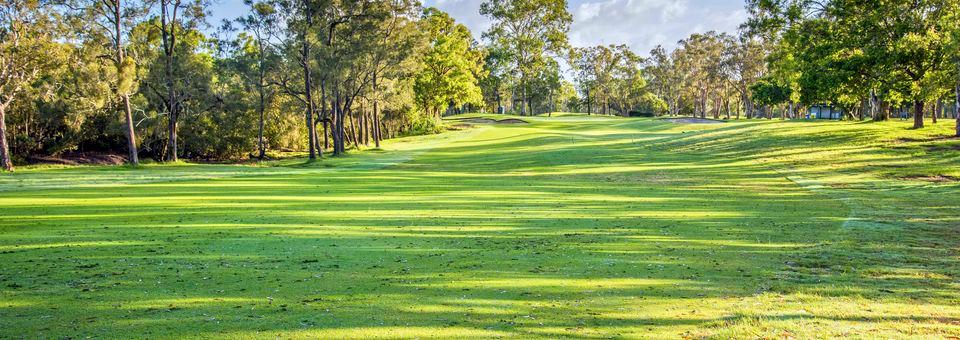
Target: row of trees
(863, 57)
(143, 76)
(316, 75)
(866, 59)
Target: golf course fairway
(568, 226)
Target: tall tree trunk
(336, 123)
(361, 126)
(172, 117)
(366, 128)
(376, 125)
(917, 114)
(262, 151)
(5, 159)
(132, 157)
(168, 32)
(307, 81)
(343, 105)
(325, 114)
(376, 111)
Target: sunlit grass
(569, 226)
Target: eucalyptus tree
(26, 29)
(666, 77)
(594, 70)
(703, 54)
(529, 32)
(261, 22)
(392, 55)
(628, 88)
(108, 23)
(744, 65)
(611, 75)
(298, 34)
(176, 18)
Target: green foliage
(450, 68)
(767, 92)
(528, 35)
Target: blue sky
(641, 24)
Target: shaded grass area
(566, 227)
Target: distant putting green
(566, 227)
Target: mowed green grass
(570, 226)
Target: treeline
(867, 60)
(872, 59)
(153, 78)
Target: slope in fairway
(565, 227)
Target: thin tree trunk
(261, 108)
(335, 134)
(917, 114)
(5, 159)
(359, 128)
(324, 112)
(376, 112)
(169, 36)
(366, 128)
(132, 157)
(307, 82)
(376, 125)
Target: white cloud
(644, 24)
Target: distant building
(822, 111)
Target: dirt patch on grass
(933, 178)
(88, 158)
(692, 121)
(491, 121)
